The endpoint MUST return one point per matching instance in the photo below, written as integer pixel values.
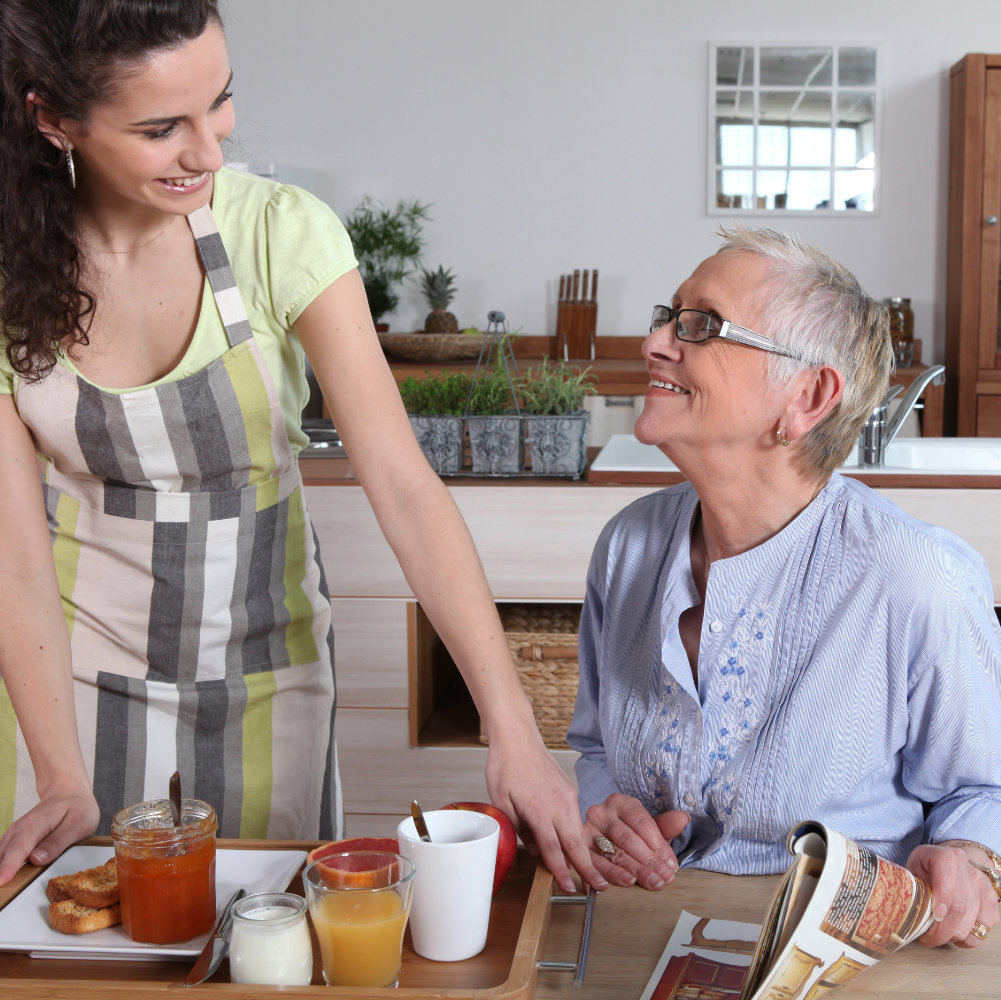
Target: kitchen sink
(905, 456)
(323, 439)
(937, 456)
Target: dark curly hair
(70, 53)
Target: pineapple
(439, 290)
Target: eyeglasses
(696, 326)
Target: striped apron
(190, 576)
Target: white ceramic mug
(453, 886)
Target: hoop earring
(782, 437)
(69, 163)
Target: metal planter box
(558, 444)
(442, 439)
(496, 444)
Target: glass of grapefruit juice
(359, 902)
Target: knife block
(577, 316)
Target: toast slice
(95, 887)
(70, 917)
(56, 890)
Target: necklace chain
(141, 246)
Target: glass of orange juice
(359, 902)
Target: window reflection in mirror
(793, 128)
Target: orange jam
(166, 873)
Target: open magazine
(838, 909)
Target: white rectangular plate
(24, 921)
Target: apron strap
(220, 274)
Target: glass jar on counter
(269, 941)
(166, 873)
(901, 319)
(901, 330)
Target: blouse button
(689, 800)
(715, 625)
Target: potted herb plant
(495, 431)
(436, 406)
(556, 422)
(388, 244)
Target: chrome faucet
(878, 432)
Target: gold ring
(980, 930)
(604, 845)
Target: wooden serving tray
(505, 970)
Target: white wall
(559, 134)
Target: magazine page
(704, 958)
(860, 909)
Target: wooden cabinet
(973, 346)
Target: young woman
(164, 600)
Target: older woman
(770, 642)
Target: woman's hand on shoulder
(42, 834)
(642, 843)
(962, 895)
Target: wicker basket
(543, 643)
(429, 347)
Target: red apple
(507, 843)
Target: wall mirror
(793, 128)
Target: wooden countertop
(326, 471)
(618, 366)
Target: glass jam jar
(269, 942)
(166, 873)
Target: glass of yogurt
(269, 941)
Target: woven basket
(543, 643)
(432, 346)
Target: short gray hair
(818, 308)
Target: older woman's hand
(643, 853)
(962, 895)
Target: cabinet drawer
(370, 652)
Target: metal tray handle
(580, 965)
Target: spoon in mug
(175, 798)
(422, 827)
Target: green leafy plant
(555, 388)
(436, 395)
(388, 244)
(493, 392)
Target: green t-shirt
(285, 246)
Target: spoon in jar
(175, 798)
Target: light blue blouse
(849, 672)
